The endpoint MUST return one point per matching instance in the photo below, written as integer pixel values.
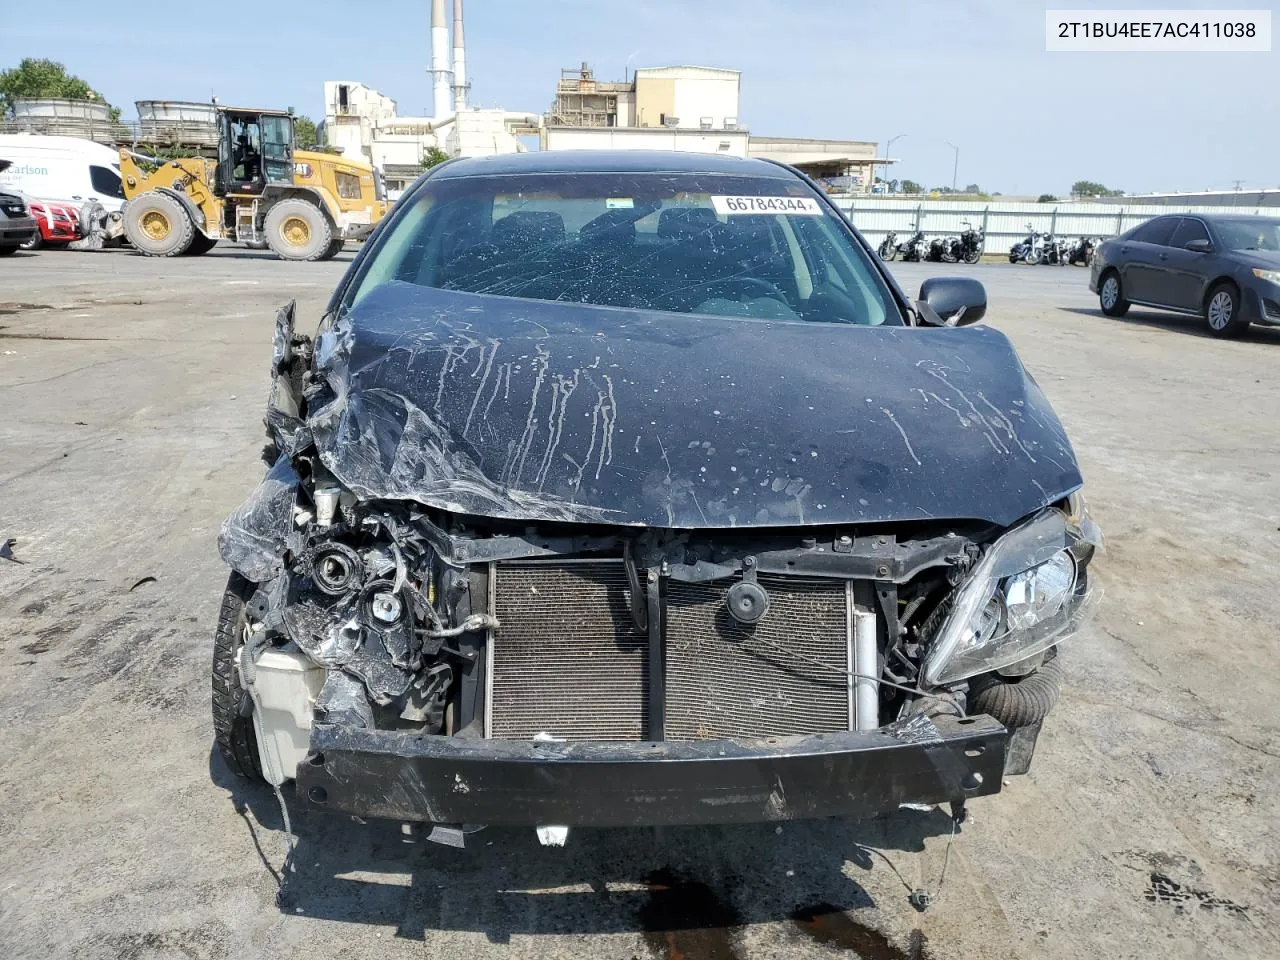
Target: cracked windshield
(732, 246)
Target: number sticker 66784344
(728, 206)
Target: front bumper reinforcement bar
(438, 779)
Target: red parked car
(59, 224)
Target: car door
(1185, 272)
(1141, 268)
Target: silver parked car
(1222, 267)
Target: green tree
(433, 157)
(304, 132)
(973, 188)
(37, 77)
(1091, 188)
(1046, 198)
(910, 186)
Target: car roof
(613, 161)
(1216, 217)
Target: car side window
(1157, 231)
(1188, 230)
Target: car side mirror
(1199, 246)
(952, 301)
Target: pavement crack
(1180, 724)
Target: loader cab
(255, 150)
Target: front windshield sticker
(619, 203)
(727, 206)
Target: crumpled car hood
(533, 410)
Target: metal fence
(1006, 223)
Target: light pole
(956, 166)
(887, 147)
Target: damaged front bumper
(439, 779)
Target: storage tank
(59, 117)
(177, 122)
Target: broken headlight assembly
(1029, 589)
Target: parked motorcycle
(913, 249)
(1029, 250)
(968, 246)
(1081, 251)
(1052, 251)
(940, 250)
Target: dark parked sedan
(1223, 267)
(629, 488)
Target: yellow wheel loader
(260, 191)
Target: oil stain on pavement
(684, 919)
(833, 927)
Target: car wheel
(35, 243)
(232, 708)
(1111, 295)
(1222, 311)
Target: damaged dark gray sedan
(628, 488)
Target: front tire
(1111, 295)
(35, 243)
(200, 244)
(335, 248)
(158, 225)
(1222, 311)
(232, 707)
(888, 251)
(973, 256)
(298, 230)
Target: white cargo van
(66, 169)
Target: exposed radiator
(567, 660)
(776, 678)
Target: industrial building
(362, 122)
(687, 108)
(705, 98)
(694, 109)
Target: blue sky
(975, 73)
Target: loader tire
(201, 244)
(158, 225)
(298, 230)
(335, 248)
(232, 706)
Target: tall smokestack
(440, 59)
(459, 60)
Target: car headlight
(1025, 592)
(1272, 275)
